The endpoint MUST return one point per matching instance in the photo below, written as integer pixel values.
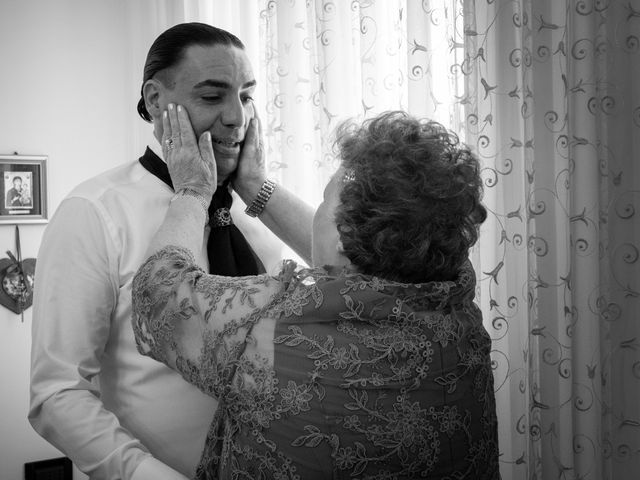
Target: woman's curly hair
(410, 203)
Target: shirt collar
(157, 149)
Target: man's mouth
(226, 146)
(226, 143)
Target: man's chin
(225, 165)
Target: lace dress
(326, 374)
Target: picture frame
(23, 189)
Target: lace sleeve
(196, 323)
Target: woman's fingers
(259, 124)
(177, 126)
(184, 128)
(177, 130)
(190, 161)
(253, 139)
(166, 133)
(206, 151)
(166, 126)
(251, 169)
(174, 125)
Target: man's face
(215, 84)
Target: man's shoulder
(125, 179)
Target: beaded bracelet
(258, 204)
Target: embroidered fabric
(323, 374)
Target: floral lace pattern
(323, 374)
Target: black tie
(228, 250)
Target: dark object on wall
(23, 189)
(16, 280)
(16, 291)
(52, 469)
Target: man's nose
(233, 115)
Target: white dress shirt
(93, 396)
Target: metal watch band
(263, 196)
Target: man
(115, 413)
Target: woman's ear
(151, 91)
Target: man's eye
(247, 99)
(211, 98)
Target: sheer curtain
(553, 113)
(327, 61)
(548, 94)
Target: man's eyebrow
(222, 84)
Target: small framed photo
(23, 189)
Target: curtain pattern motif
(544, 91)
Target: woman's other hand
(251, 172)
(191, 163)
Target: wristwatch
(258, 204)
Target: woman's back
(370, 379)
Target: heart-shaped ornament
(16, 287)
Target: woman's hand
(251, 171)
(191, 163)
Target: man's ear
(151, 92)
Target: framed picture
(23, 189)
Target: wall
(66, 91)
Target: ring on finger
(169, 143)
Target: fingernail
(179, 108)
(165, 114)
(207, 136)
(171, 106)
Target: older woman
(372, 364)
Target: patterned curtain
(544, 91)
(327, 61)
(548, 94)
(553, 108)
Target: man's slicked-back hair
(169, 48)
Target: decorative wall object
(16, 280)
(23, 189)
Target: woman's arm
(284, 214)
(195, 323)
